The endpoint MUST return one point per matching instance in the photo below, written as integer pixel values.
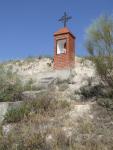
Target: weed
(17, 114)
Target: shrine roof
(63, 31)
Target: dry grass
(50, 127)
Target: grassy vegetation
(11, 87)
(99, 43)
(35, 115)
(17, 114)
(44, 130)
(45, 124)
(45, 103)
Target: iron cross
(64, 19)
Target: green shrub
(33, 142)
(28, 86)
(62, 104)
(90, 91)
(106, 102)
(46, 103)
(99, 43)
(10, 85)
(11, 92)
(17, 114)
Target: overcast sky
(27, 26)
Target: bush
(106, 102)
(47, 103)
(99, 44)
(10, 85)
(17, 114)
(90, 91)
(11, 92)
(33, 142)
(31, 132)
(28, 86)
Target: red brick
(67, 60)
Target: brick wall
(65, 60)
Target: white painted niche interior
(61, 46)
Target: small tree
(99, 43)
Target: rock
(3, 110)
(31, 95)
(7, 128)
(63, 74)
(46, 82)
(15, 105)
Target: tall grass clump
(17, 114)
(10, 85)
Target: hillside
(41, 73)
(55, 110)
